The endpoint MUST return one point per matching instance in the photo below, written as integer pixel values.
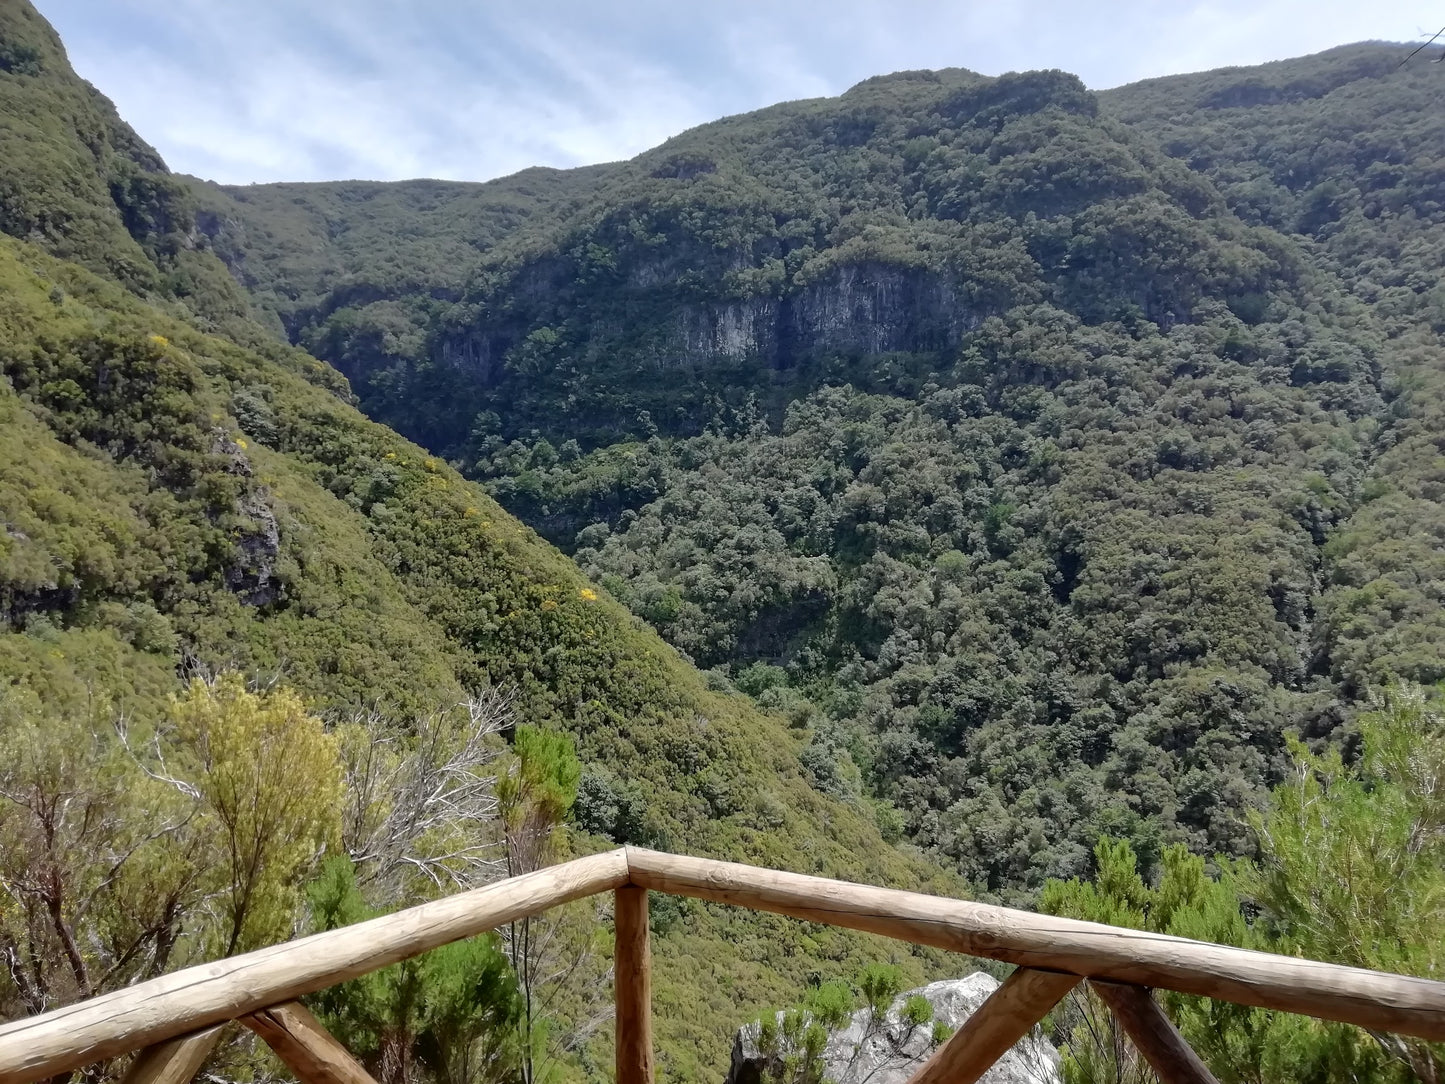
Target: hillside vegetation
(177, 504)
(1045, 457)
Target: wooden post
(1154, 1034)
(176, 1061)
(632, 979)
(307, 1048)
(1022, 1001)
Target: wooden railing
(175, 1020)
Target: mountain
(1045, 456)
(734, 251)
(181, 494)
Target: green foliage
(99, 862)
(136, 845)
(1062, 452)
(1036, 461)
(1121, 662)
(879, 984)
(1350, 871)
(831, 1004)
(1353, 859)
(1240, 1044)
(452, 1012)
(614, 809)
(76, 179)
(916, 1011)
(536, 794)
(271, 777)
(792, 1041)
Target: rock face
(858, 309)
(891, 1051)
(251, 575)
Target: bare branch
(421, 801)
(1422, 46)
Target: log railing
(174, 1021)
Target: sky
(298, 90)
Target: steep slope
(77, 180)
(1345, 149)
(772, 251)
(305, 250)
(166, 496)
(171, 499)
(1037, 453)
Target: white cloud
(319, 89)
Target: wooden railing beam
(1153, 1034)
(632, 981)
(185, 1001)
(175, 1061)
(1024, 999)
(308, 1049)
(1352, 995)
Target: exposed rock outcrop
(890, 1051)
(251, 575)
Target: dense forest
(1044, 457)
(975, 484)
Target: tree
(1241, 1045)
(453, 1012)
(421, 818)
(130, 846)
(421, 807)
(433, 806)
(269, 774)
(102, 865)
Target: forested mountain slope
(735, 251)
(1045, 456)
(1341, 149)
(174, 502)
(1036, 460)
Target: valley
(976, 485)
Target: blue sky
(263, 90)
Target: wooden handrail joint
(1153, 1034)
(1352, 995)
(184, 1001)
(303, 1043)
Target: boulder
(891, 1050)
